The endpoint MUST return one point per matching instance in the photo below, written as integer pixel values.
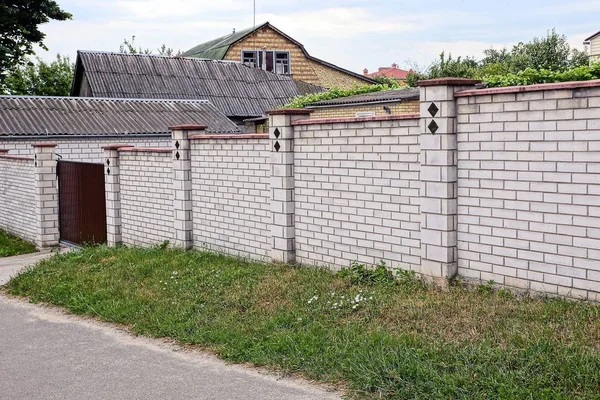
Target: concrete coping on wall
(44, 144)
(529, 88)
(115, 146)
(229, 137)
(343, 120)
(289, 111)
(147, 149)
(13, 157)
(188, 127)
(449, 82)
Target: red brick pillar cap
(188, 127)
(449, 82)
(289, 111)
(44, 145)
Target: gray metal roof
(26, 116)
(374, 97)
(235, 89)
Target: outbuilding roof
(384, 96)
(235, 89)
(48, 116)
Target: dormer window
(276, 61)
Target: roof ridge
(121, 99)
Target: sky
(354, 34)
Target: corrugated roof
(373, 97)
(235, 89)
(25, 115)
(217, 49)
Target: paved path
(9, 266)
(47, 354)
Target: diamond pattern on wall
(433, 127)
(177, 145)
(277, 146)
(107, 171)
(277, 133)
(433, 109)
(107, 161)
(177, 155)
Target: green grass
(402, 341)
(12, 246)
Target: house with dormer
(266, 47)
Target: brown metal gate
(82, 206)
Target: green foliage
(360, 274)
(12, 246)
(546, 59)
(413, 78)
(551, 52)
(531, 76)
(381, 340)
(334, 93)
(41, 79)
(129, 47)
(19, 22)
(454, 67)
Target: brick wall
(341, 111)
(357, 193)
(82, 149)
(146, 196)
(17, 196)
(529, 190)
(231, 194)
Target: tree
(41, 79)
(454, 67)
(19, 21)
(128, 47)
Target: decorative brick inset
(112, 189)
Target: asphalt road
(47, 354)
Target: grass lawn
(13, 246)
(375, 337)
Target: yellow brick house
(269, 48)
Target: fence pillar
(112, 190)
(46, 195)
(182, 184)
(439, 173)
(281, 137)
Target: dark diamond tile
(107, 161)
(433, 109)
(277, 146)
(108, 171)
(277, 133)
(177, 145)
(433, 127)
(177, 155)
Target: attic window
(249, 58)
(282, 63)
(276, 61)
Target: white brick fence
(487, 184)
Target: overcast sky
(353, 34)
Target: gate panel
(82, 205)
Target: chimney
(365, 72)
(394, 66)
